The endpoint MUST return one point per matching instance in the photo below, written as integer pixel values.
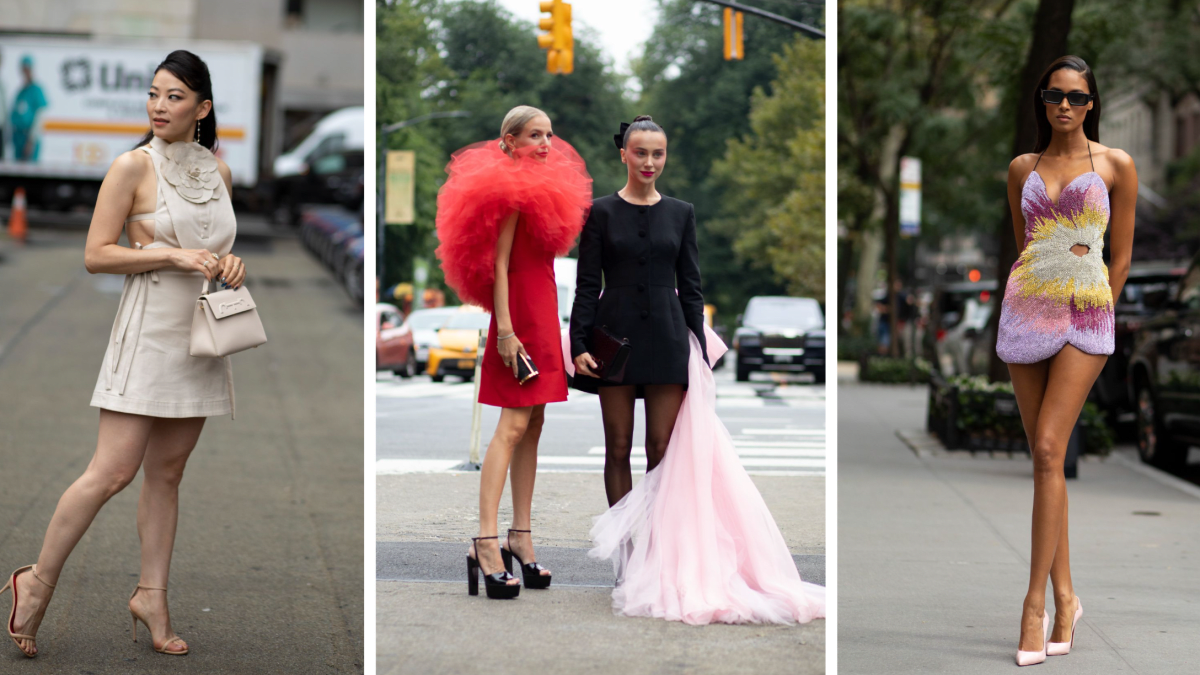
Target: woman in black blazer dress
(642, 246)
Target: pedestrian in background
(1056, 319)
(694, 540)
(508, 208)
(171, 196)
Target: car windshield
(797, 313)
(469, 321)
(427, 320)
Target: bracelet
(505, 337)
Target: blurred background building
(311, 54)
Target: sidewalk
(267, 571)
(934, 555)
(427, 623)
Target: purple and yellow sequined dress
(1053, 296)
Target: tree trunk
(1051, 28)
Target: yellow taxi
(458, 340)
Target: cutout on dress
(140, 230)
(1081, 249)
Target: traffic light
(559, 41)
(731, 26)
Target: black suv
(1164, 376)
(781, 334)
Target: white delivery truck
(71, 105)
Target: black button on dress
(639, 255)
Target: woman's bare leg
(509, 432)
(120, 446)
(662, 409)
(522, 474)
(616, 407)
(171, 443)
(1068, 379)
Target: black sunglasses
(1076, 98)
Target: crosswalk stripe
(784, 431)
(639, 451)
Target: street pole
(382, 160)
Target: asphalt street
(934, 553)
(779, 427)
(427, 510)
(267, 570)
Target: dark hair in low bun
(193, 72)
(641, 123)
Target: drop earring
(197, 131)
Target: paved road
(779, 428)
(934, 554)
(267, 573)
(426, 512)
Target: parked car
(458, 341)
(1147, 292)
(424, 324)
(1164, 376)
(965, 308)
(393, 342)
(781, 334)
(335, 236)
(334, 177)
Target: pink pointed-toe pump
(1034, 658)
(1064, 648)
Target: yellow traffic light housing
(558, 41)
(731, 25)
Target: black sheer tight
(617, 406)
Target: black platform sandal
(496, 583)
(531, 573)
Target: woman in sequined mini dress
(1056, 321)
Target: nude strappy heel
(12, 614)
(163, 649)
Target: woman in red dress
(509, 207)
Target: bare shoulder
(1021, 167)
(131, 165)
(226, 174)
(1120, 160)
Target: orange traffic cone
(17, 225)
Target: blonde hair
(515, 121)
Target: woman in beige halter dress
(171, 196)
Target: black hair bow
(619, 139)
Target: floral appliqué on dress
(192, 171)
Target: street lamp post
(382, 159)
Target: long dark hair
(1091, 121)
(193, 72)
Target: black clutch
(526, 371)
(610, 353)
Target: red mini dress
(552, 198)
(533, 306)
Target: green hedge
(977, 415)
(893, 370)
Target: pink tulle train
(694, 540)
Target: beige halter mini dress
(147, 368)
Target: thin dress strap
(1090, 157)
(1039, 160)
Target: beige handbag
(225, 322)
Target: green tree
(703, 101)
(407, 64)
(775, 208)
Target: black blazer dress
(641, 253)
